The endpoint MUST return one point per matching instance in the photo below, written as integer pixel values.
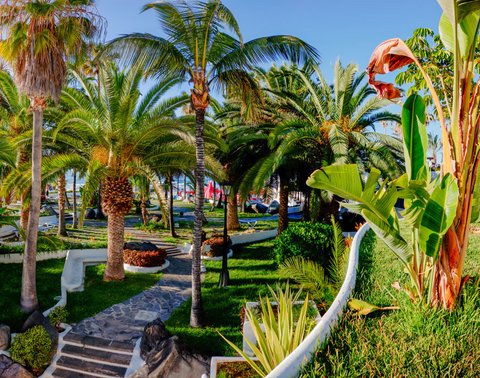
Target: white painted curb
(17, 258)
(291, 366)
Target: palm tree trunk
(283, 199)
(100, 214)
(28, 298)
(62, 230)
(232, 212)
(75, 218)
(143, 209)
(196, 315)
(24, 208)
(184, 186)
(114, 270)
(170, 208)
(161, 200)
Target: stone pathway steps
(102, 345)
(92, 357)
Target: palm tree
(119, 128)
(321, 124)
(38, 38)
(16, 122)
(198, 48)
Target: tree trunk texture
(232, 212)
(116, 225)
(283, 199)
(161, 200)
(184, 186)
(143, 210)
(196, 315)
(100, 214)
(171, 221)
(28, 298)
(24, 207)
(62, 229)
(75, 217)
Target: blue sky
(345, 29)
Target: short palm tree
(39, 36)
(434, 145)
(322, 124)
(118, 128)
(16, 121)
(199, 49)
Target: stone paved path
(102, 345)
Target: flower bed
(144, 258)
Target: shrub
(216, 245)
(58, 315)
(313, 241)
(32, 348)
(144, 258)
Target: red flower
(388, 56)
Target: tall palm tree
(198, 49)
(119, 128)
(38, 38)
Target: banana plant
(430, 205)
(459, 120)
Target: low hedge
(32, 349)
(312, 241)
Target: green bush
(32, 348)
(58, 315)
(313, 241)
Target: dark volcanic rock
(141, 246)
(9, 369)
(154, 334)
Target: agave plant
(283, 331)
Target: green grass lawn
(251, 270)
(412, 342)
(98, 295)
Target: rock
(165, 356)
(140, 246)
(154, 334)
(174, 362)
(4, 337)
(37, 318)
(9, 369)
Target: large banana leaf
(415, 142)
(466, 33)
(456, 10)
(438, 215)
(377, 207)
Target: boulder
(154, 334)
(140, 246)
(9, 369)
(37, 318)
(166, 356)
(4, 337)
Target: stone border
(291, 366)
(17, 258)
(146, 269)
